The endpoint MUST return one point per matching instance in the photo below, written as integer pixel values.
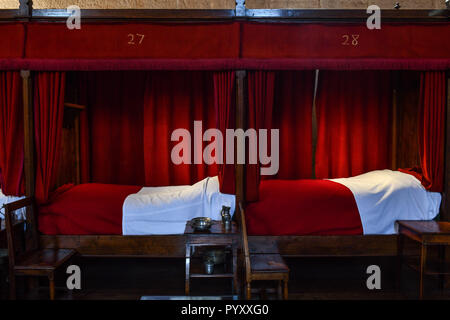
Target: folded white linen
(384, 196)
(165, 210)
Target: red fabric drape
(353, 43)
(11, 134)
(432, 128)
(114, 103)
(224, 101)
(174, 100)
(354, 121)
(189, 41)
(292, 115)
(48, 121)
(261, 86)
(131, 118)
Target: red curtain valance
(133, 40)
(12, 41)
(344, 41)
(224, 46)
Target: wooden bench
(259, 267)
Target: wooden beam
(328, 246)
(240, 124)
(28, 125)
(138, 14)
(9, 14)
(345, 15)
(239, 13)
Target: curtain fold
(114, 126)
(11, 134)
(261, 87)
(432, 128)
(225, 104)
(174, 100)
(354, 123)
(49, 92)
(292, 115)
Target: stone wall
(227, 4)
(9, 4)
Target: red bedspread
(85, 209)
(303, 207)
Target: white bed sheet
(384, 196)
(165, 210)
(4, 199)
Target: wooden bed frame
(174, 246)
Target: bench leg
(285, 291)
(248, 290)
(51, 279)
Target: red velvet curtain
(131, 119)
(224, 101)
(11, 134)
(292, 115)
(432, 128)
(174, 100)
(354, 123)
(114, 131)
(261, 87)
(49, 92)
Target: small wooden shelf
(220, 271)
(197, 243)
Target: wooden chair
(29, 260)
(270, 267)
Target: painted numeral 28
(350, 40)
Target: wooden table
(215, 237)
(426, 233)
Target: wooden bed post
(446, 194)
(240, 124)
(25, 8)
(28, 126)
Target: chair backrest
(30, 240)
(244, 238)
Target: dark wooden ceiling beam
(290, 15)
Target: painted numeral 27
(135, 38)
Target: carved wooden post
(240, 124)
(27, 88)
(25, 8)
(240, 8)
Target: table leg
(400, 244)
(188, 267)
(235, 273)
(423, 260)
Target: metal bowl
(201, 223)
(215, 256)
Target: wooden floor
(311, 279)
